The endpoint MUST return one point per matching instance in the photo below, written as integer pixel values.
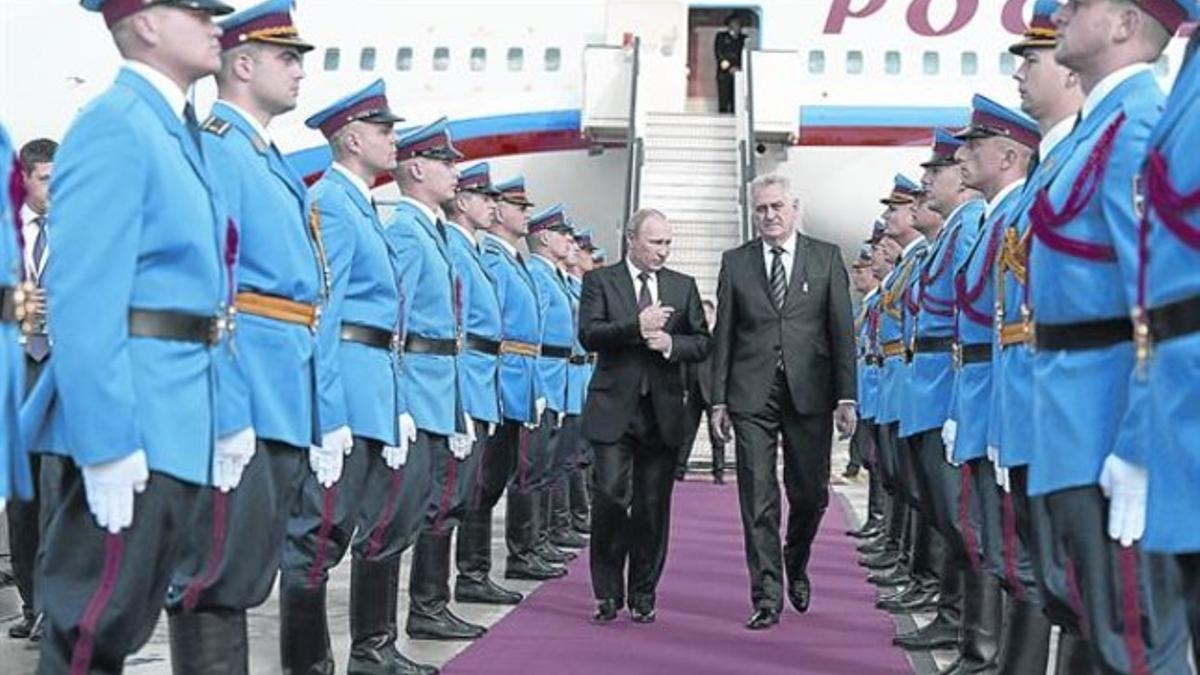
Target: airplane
(856, 84)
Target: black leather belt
(556, 352)
(874, 360)
(478, 343)
(369, 336)
(166, 325)
(415, 344)
(1084, 335)
(8, 304)
(979, 352)
(578, 360)
(930, 345)
(1176, 319)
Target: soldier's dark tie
(778, 277)
(441, 229)
(39, 249)
(193, 125)
(37, 345)
(644, 301)
(1034, 160)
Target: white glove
(491, 430)
(1124, 484)
(949, 434)
(1002, 479)
(396, 456)
(539, 407)
(461, 444)
(110, 488)
(993, 455)
(233, 453)
(3, 504)
(326, 459)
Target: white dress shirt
(512, 250)
(29, 232)
(354, 179)
(164, 85)
(433, 216)
(1056, 135)
(652, 282)
(788, 257)
(1106, 86)
(251, 120)
(995, 201)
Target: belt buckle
(222, 325)
(956, 352)
(1143, 341)
(396, 344)
(1030, 327)
(316, 319)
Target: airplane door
(662, 27)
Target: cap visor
(939, 162)
(381, 117)
(971, 133)
(1023, 46)
(295, 43)
(213, 7)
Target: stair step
(690, 155)
(691, 119)
(675, 168)
(691, 143)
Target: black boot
(429, 616)
(474, 558)
(544, 512)
(211, 642)
(373, 599)
(303, 628)
(1025, 647)
(1074, 655)
(943, 631)
(580, 501)
(521, 532)
(562, 534)
(982, 608)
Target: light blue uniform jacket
(521, 322)
(894, 378)
(478, 372)
(558, 330)
(15, 479)
(578, 374)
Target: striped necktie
(778, 277)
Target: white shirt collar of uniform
(429, 213)
(788, 245)
(1110, 82)
(991, 205)
(546, 261)
(870, 294)
(912, 245)
(512, 250)
(250, 119)
(27, 216)
(950, 218)
(165, 86)
(354, 179)
(1057, 133)
(466, 233)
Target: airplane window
(478, 59)
(931, 63)
(816, 62)
(366, 59)
(854, 62)
(441, 58)
(516, 58)
(1162, 67)
(553, 58)
(891, 63)
(333, 58)
(404, 58)
(1008, 63)
(970, 63)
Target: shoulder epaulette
(216, 126)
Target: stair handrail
(743, 108)
(633, 141)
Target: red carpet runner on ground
(703, 600)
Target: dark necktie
(441, 229)
(778, 277)
(39, 249)
(644, 301)
(1034, 160)
(193, 126)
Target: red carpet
(703, 599)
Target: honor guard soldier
(473, 210)
(359, 335)
(864, 282)
(265, 391)
(432, 318)
(15, 479)
(549, 241)
(467, 212)
(570, 509)
(995, 160)
(931, 303)
(599, 257)
(521, 402)
(141, 291)
(1089, 440)
(1170, 299)
(899, 219)
(1050, 94)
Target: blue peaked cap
(368, 104)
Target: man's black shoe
(531, 568)
(643, 614)
(919, 601)
(937, 634)
(606, 610)
(718, 479)
(486, 592)
(880, 561)
(763, 618)
(552, 554)
(875, 546)
(896, 576)
(442, 626)
(800, 594)
(29, 624)
(568, 538)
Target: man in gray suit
(783, 366)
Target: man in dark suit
(697, 384)
(783, 366)
(642, 320)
